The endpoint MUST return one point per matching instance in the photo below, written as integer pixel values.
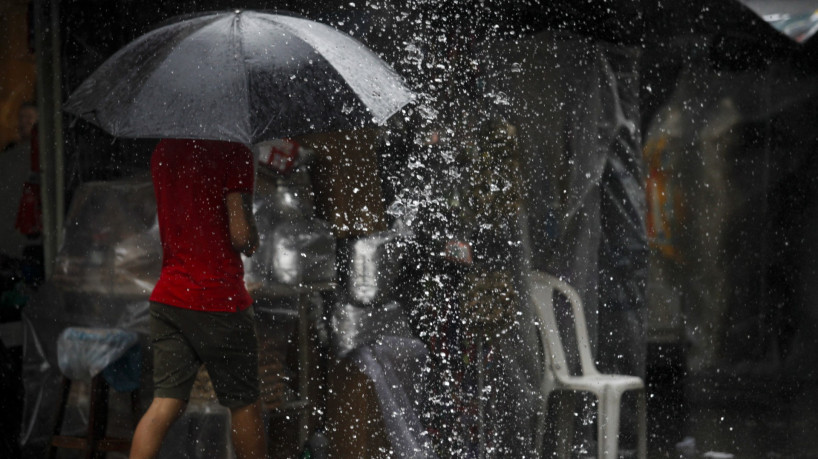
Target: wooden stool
(95, 443)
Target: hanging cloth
(29, 212)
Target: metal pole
(44, 125)
(49, 94)
(57, 144)
(769, 313)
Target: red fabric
(30, 210)
(200, 269)
(282, 156)
(29, 214)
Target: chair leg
(609, 413)
(601, 426)
(95, 443)
(98, 415)
(65, 390)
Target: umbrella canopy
(241, 76)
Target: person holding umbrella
(230, 79)
(200, 310)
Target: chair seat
(594, 383)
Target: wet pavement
(735, 416)
(721, 414)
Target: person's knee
(249, 409)
(243, 406)
(167, 409)
(247, 416)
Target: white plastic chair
(607, 388)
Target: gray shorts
(225, 342)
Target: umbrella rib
(349, 81)
(116, 89)
(319, 78)
(237, 37)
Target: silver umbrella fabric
(240, 76)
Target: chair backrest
(542, 288)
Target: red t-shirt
(191, 178)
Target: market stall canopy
(775, 7)
(239, 76)
(640, 21)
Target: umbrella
(240, 76)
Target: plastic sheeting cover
(111, 240)
(83, 353)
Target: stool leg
(62, 400)
(98, 415)
(135, 401)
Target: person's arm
(242, 223)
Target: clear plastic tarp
(92, 317)
(729, 182)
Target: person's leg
(249, 437)
(228, 345)
(175, 365)
(154, 425)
